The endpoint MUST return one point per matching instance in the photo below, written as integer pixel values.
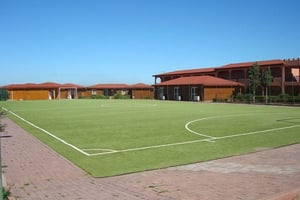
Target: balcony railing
(277, 81)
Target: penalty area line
(152, 147)
(105, 151)
(47, 132)
(212, 140)
(256, 132)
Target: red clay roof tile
(71, 85)
(46, 85)
(229, 66)
(249, 64)
(200, 80)
(140, 86)
(109, 86)
(189, 71)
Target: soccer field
(112, 137)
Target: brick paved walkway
(33, 171)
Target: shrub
(284, 97)
(83, 97)
(99, 97)
(219, 100)
(294, 99)
(260, 99)
(120, 96)
(5, 194)
(274, 99)
(242, 98)
(298, 98)
(4, 95)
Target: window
(194, 96)
(161, 93)
(124, 92)
(177, 93)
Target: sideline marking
(112, 151)
(47, 132)
(128, 106)
(255, 132)
(152, 147)
(195, 141)
(105, 151)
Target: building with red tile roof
(285, 75)
(197, 88)
(42, 91)
(109, 86)
(51, 90)
(200, 80)
(108, 89)
(141, 91)
(190, 72)
(135, 91)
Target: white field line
(128, 106)
(98, 149)
(152, 147)
(112, 151)
(212, 117)
(194, 132)
(256, 132)
(106, 150)
(47, 132)
(194, 141)
(205, 118)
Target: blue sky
(127, 41)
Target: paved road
(35, 172)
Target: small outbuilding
(43, 91)
(108, 90)
(141, 91)
(135, 91)
(197, 88)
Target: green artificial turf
(112, 137)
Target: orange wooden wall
(142, 94)
(219, 93)
(28, 94)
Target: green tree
(266, 81)
(254, 80)
(3, 94)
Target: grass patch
(124, 136)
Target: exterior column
(245, 74)
(282, 80)
(245, 79)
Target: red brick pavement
(34, 171)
